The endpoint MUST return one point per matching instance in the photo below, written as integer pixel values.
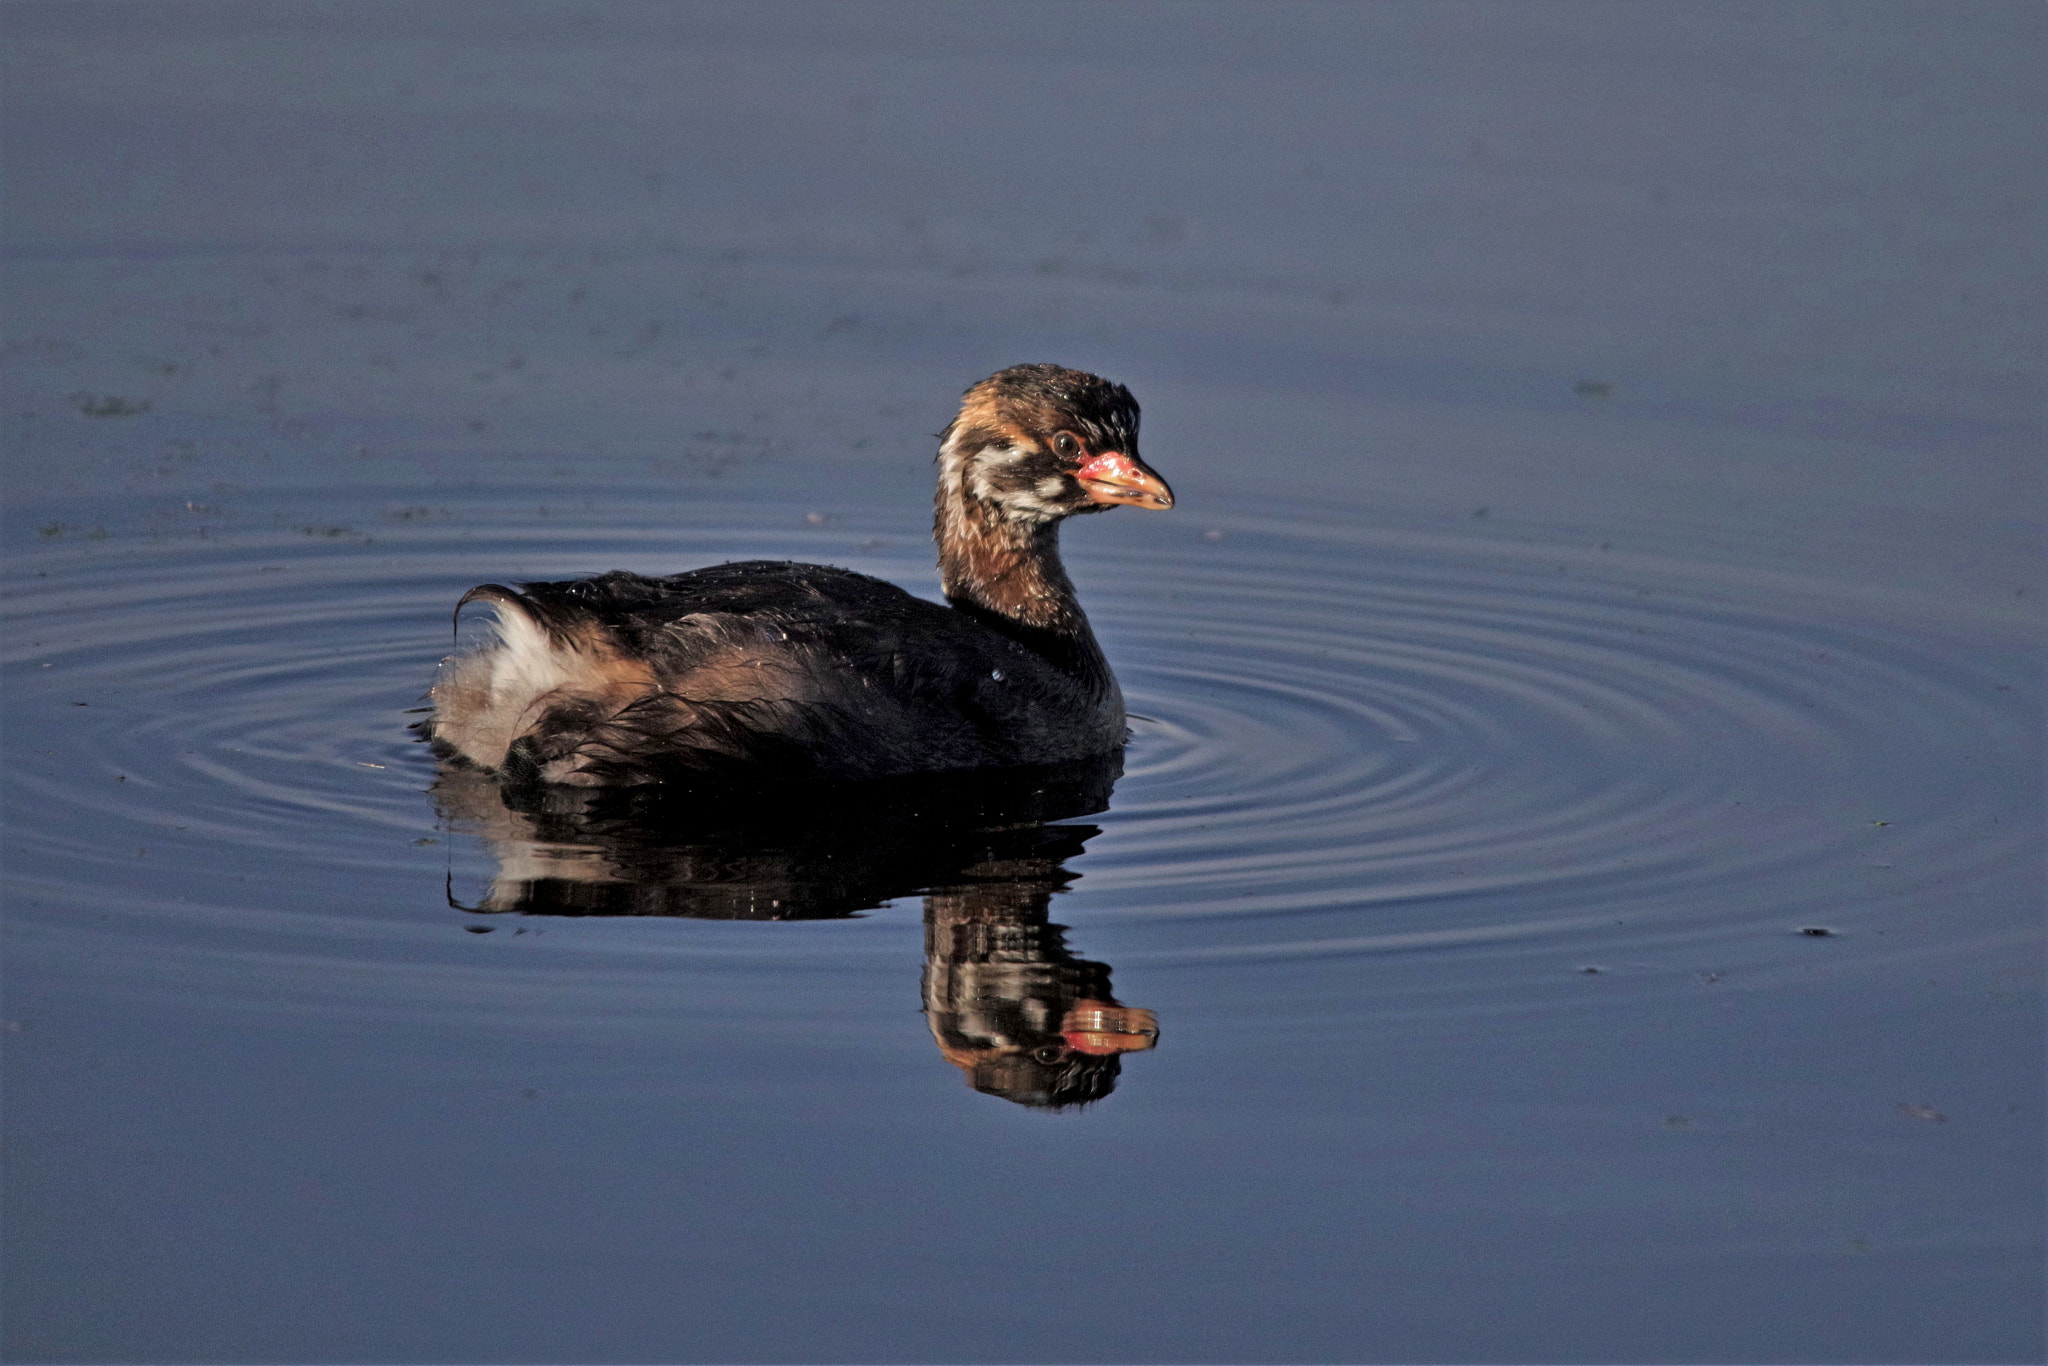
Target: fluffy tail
(486, 699)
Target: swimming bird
(768, 671)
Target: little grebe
(768, 671)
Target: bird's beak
(1114, 477)
(1100, 1029)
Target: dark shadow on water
(1007, 1003)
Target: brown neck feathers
(1011, 568)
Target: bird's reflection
(1007, 1002)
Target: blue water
(1580, 837)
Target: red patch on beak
(1113, 477)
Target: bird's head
(1036, 443)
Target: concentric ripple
(1351, 733)
(1345, 740)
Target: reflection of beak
(1098, 1029)
(1114, 477)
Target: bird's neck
(1008, 573)
(1010, 568)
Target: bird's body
(772, 671)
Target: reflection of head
(1008, 1004)
(1058, 1083)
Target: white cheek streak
(986, 462)
(1029, 507)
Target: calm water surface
(1578, 846)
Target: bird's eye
(1065, 444)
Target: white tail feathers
(487, 698)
